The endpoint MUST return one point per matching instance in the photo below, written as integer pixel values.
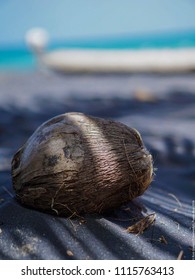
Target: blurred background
(112, 24)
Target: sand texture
(161, 108)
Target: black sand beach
(161, 107)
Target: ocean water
(19, 57)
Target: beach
(160, 106)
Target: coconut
(75, 164)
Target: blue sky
(66, 19)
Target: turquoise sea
(19, 57)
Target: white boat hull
(166, 60)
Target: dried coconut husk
(141, 225)
(75, 164)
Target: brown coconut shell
(75, 164)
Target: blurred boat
(88, 60)
(120, 61)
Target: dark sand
(161, 107)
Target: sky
(75, 19)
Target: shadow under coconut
(42, 236)
(35, 235)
